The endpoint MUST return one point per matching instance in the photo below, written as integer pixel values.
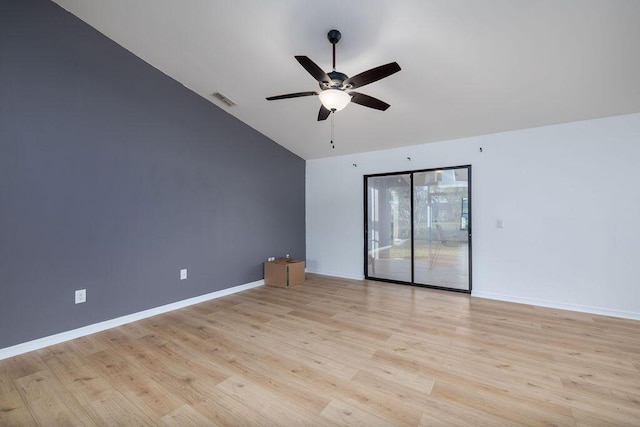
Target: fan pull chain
(332, 114)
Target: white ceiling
(469, 67)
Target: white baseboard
(112, 323)
(334, 274)
(559, 305)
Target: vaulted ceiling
(469, 67)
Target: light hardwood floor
(336, 352)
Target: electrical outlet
(81, 296)
(183, 274)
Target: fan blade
(368, 101)
(323, 113)
(313, 69)
(291, 95)
(372, 75)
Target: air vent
(224, 99)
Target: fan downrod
(334, 37)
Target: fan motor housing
(337, 80)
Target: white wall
(568, 196)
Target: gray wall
(113, 177)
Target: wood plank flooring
(336, 352)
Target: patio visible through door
(418, 227)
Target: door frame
(366, 228)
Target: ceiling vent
(224, 99)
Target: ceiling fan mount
(335, 87)
(334, 36)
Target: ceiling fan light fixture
(334, 99)
(335, 87)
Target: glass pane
(389, 227)
(441, 221)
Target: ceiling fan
(336, 87)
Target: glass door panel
(389, 227)
(441, 222)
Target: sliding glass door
(418, 227)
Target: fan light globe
(334, 99)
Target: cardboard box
(284, 272)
